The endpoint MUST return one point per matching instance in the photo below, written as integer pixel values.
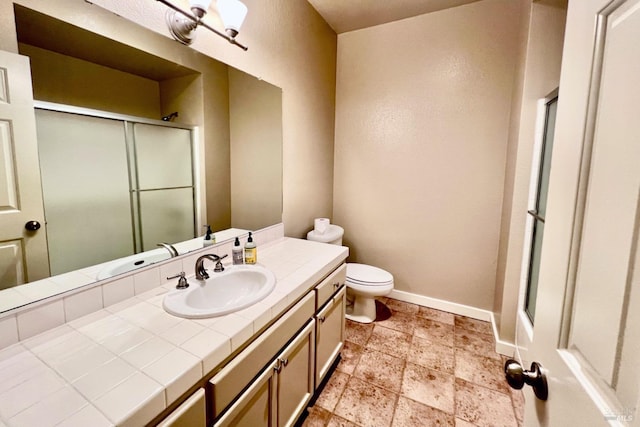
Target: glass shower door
(165, 184)
(85, 185)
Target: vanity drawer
(233, 378)
(192, 413)
(329, 286)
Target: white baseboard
(502, 347)
(439, 304)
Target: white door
(586, 334)
(23, 253)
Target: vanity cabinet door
(227, 384)
(255, 407)
(281, 392)
(295, 376)
(329, 334)
(192, 413)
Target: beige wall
(422, 115)
(290, 46)
(541, 75)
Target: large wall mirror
(229, 122)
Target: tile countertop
(124, 364)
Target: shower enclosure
(112, 185)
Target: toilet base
(361, 308)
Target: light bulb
(232, 13)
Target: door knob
(32, 225)
(518, 377)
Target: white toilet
(364, 282)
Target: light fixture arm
(197, 21)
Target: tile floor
(420, 367)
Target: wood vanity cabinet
(330, 310)
(258, 389)
(281, 392)
(295, 380)
(271, 381)
(329, 334)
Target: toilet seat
(361, 283)
(373, 290)
(368, 275)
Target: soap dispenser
(209, 238)
(237, 253)
(250, 251)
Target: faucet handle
(219, 267)
(182, 280)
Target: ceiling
(349, 15)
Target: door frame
(524, 326)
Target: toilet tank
(332, 235)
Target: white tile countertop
(124, 364)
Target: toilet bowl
(364, 282)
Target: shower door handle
(32, 225)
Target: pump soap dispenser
(209, 238)
(237, 253)
(250, 251)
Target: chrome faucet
(201, 272)
(173, 251)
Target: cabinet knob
(285, 362)
(321, 319)
(278, 366)
(336, 285)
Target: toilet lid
(367, 274)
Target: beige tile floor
(420, 367)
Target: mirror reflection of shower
(112, 185)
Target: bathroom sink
(235, 288)
(132, 262)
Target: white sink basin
(133, 262)
(235, 288)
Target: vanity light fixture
(183, 24)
